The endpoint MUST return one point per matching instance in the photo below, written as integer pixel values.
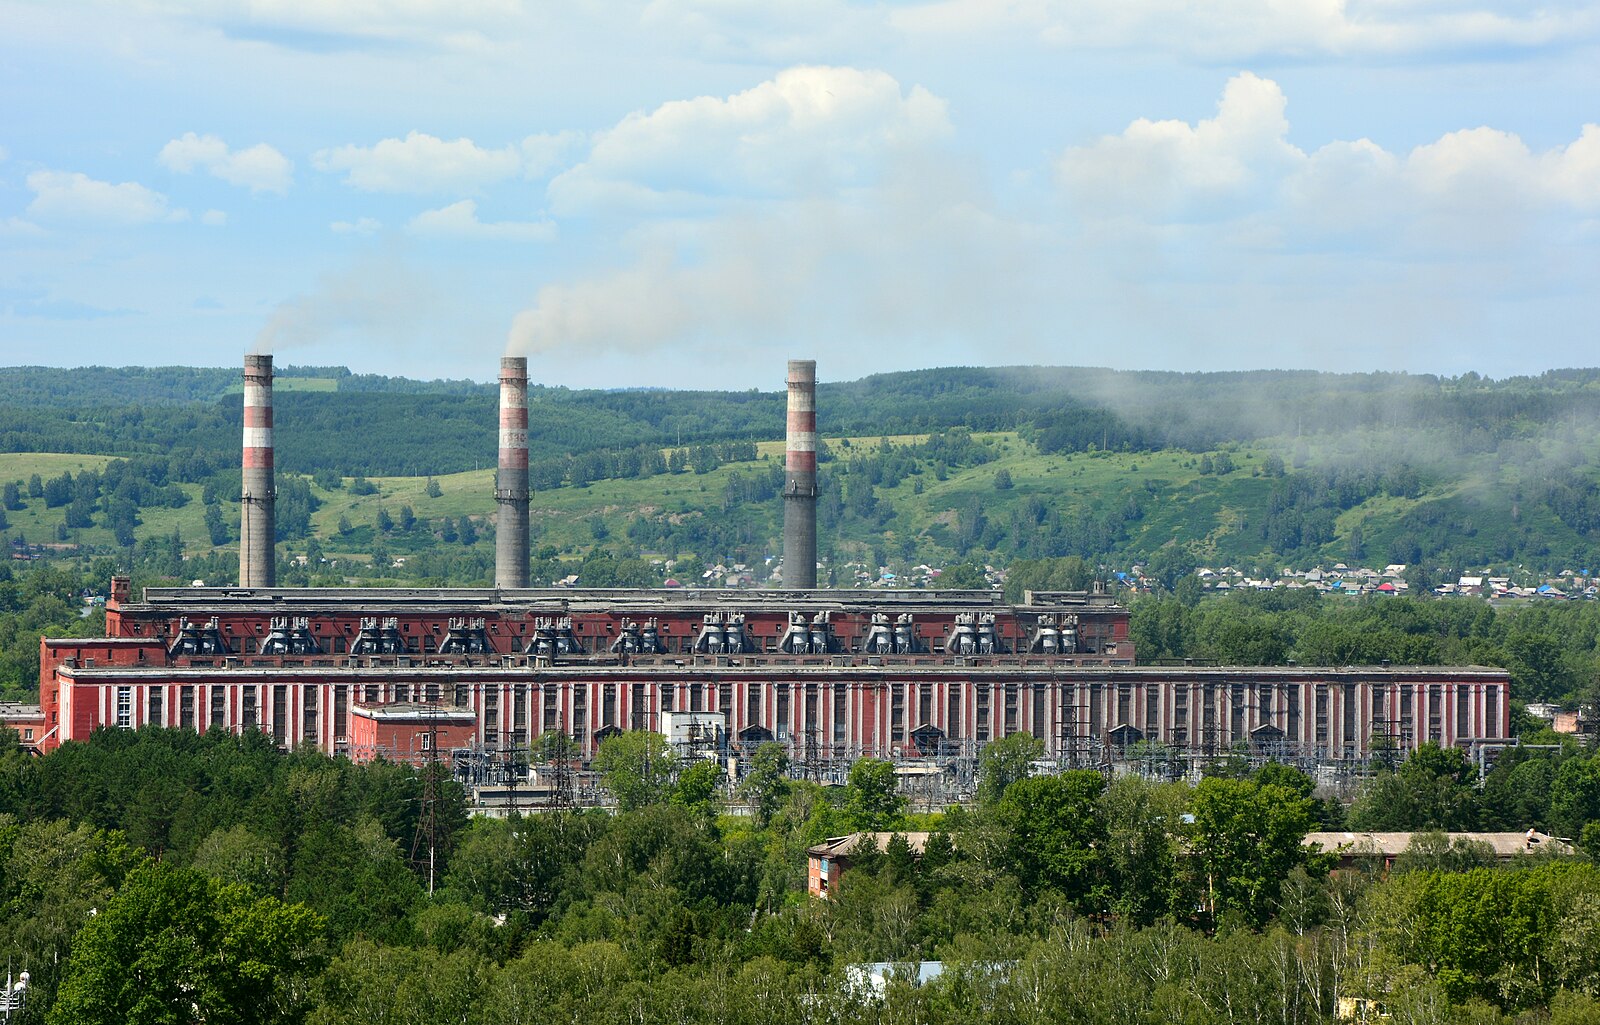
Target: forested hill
(368, 424)
(1259, 469)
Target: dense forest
(1260, 469)
(165, 876)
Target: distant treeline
(370, 423)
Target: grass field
(1221, 515)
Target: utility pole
(427, 820)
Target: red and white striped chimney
(511, 485)
(800, 479)
(258, 516)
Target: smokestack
(258, 565)
(511, 486)
(800, 484)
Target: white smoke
(378, 298)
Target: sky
(686, 193)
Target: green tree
(871, 796)
(1002, 480)
(1247, 836)
(1432, 789)
(1005, 761)
(174, 947)
(636, 768)
(699, 788)
(432, 489)
(766, 784)
(1575, 796)
(1055, 835)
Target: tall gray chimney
(800, 479)
(511, 486)
(258, 565)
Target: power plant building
(831, 674)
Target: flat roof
(344, 667)
(410, 711)
(639, 600)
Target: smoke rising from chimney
(378, 296)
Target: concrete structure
(1380, 850)
(27, 720)
(831, 675)
(926, 677)
(800, 479)
(827, 862)
(511, 485)
(258, 565)
(406, 731)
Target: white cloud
(809, 130)
(420, 163)
(214, 218)
(260, 168)
(460, 220)
(1182, 168)
(360, 226)
(1462, 189)
(1249, 28)
(65, 196)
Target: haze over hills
(986, 464)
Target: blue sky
(688, 192)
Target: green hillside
(1260, 470)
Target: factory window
(925, 704)
(1208, 709)
(308, 714)
(897, 713)
(341, 712)
(1293, 700)
(156, 711)
(1124, 704)
(432, 691)
(247, 707)
(982, 731)
(1039, 713)
(1180, 714)
(1379, 700)
(725, 698)
(1322, 713)
(339, 645)
(1011, 708)
(1491, 711)
(463, 695)
(697, 698)
(1435, 713)
(1152, 712)
(608, 710)
(666, 697)
(1463, 711)
(841, 712)
(519, 710)
(1349, 714)
(125, 707)
(1095, 709)
(1236, 706)
(402, 692)
(580, 712)
(782, 730)
(952, 714)
(491, 709)
(186, 707)
(1264, 703)
(280, 713)
(219, 705)
(551, 712)
(752, 704)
